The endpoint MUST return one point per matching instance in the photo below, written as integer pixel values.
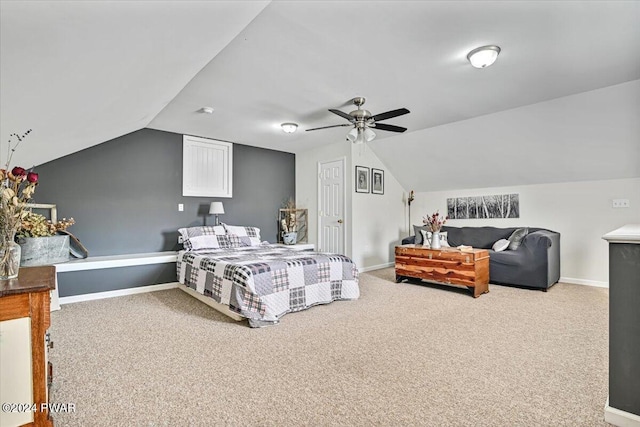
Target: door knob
(339, 221)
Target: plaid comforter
(262, 283)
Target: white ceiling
(83, 73)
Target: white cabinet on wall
(207, 167)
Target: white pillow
(443, 240)
(249, 236)
(201, 237)
(426, 238)
(501, 245)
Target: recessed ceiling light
(207, 110)
(483, 56)
(289, 127)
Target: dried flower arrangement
(17, 187)
(435, 221)
(289, 223)
(36, 225)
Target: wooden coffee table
(448, 266)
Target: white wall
(375, 223)
(378, 219)
(307, 184)
(580, 211)
(588, 136)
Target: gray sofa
(534, 264)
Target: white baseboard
(620, 418)
(595, 283)
(376, 267)
(118, 293)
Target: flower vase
(290, 238)
(9, 260)
(435, 240)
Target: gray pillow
(418, 234)
(516, 237)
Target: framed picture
(377, 180)
(362, 179)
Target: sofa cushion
(516, 238)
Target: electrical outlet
(180, 207)
(620, 203)
(180, 240)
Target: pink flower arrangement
(435, 221)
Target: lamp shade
(216, 208)
(483, 56)
(360, 135)
(368, 134)
(352, 136)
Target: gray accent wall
(124, 196)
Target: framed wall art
(481, 207)
(362, 179)
(377, 181)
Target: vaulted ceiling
(82, 73)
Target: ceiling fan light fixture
(484, 56)
(289, 127)
(368, 134)
(360, 135)
(352, 136)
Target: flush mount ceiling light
(289, 127)
(483, 56)
(206, 110)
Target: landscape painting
(476, 207)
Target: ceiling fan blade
(327, 127)
(390, 128)
(390, 114)
(342, 114)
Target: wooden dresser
(444, 266)
(25, 372)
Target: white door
(331, 211)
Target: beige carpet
(403, 354)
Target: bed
(261, 282)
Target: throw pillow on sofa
(417, 231)
(501, 245)
(516, 238)
(426, 238)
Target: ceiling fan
(363, 122)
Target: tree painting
(461, 208)
(494, 206)
(513, 206)
(473, 207)
(451, 208)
